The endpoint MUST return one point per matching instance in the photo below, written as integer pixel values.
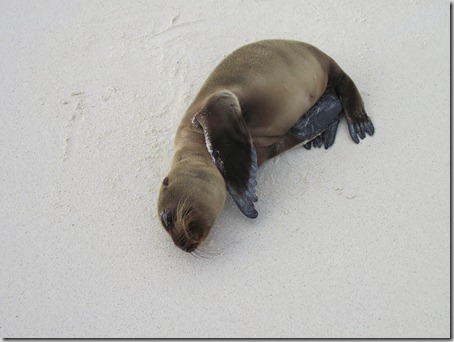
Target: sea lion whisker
(193, 255)
(181, 237)
(180, 214)
(185, 217)
(206, 250)
(180, 207)
(199, 254)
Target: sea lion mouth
(186, 238)
(185, 228)
(184, 221)
(191, 248)
(188, 232)
(185, 245)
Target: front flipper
(230, 146)
(319, 124)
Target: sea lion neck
(196, 164)
(192, 155)
(190, 146)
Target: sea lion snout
(187, 210)
(185, 227)
(190, 200)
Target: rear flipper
(319, 125)
(358, 121)
(327, 137)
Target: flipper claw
(369, 127)
(318, 141)
(353, 132)
(330, 133)
(360, 128)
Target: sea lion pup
(260, 101)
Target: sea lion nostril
(197, 236)
(195, 231)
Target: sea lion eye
(165, 182)
(167, 219)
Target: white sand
(349, 242)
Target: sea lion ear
(230, 146)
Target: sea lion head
(191, 198)
(214, 155)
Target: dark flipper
(359, 127)
(326, 138)
(319, 125)
(245, 199)
(230, 146)
(329, 135)
(357, 119)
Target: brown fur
(274, 82)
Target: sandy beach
(353, 241)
